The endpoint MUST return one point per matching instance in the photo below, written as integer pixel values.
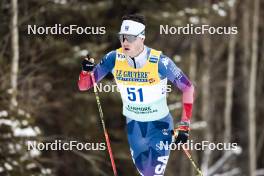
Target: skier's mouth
(127, 49)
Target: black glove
(181, 133)
(88, 64)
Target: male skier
(141, 75)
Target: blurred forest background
(40, 100)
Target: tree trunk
(206, 102)
(193, 61)
(206, 99)
(230, 79)
(252, 90)
(15, 55)
(241, 102)
(260, 85)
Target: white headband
(132, 28)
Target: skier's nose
(125, 41)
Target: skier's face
(132, 47)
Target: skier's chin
(128, 52)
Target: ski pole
(103, 124)
(187, 153)
(192, 161)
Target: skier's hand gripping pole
(90, 63)
(181, 135)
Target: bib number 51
(134, 94)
